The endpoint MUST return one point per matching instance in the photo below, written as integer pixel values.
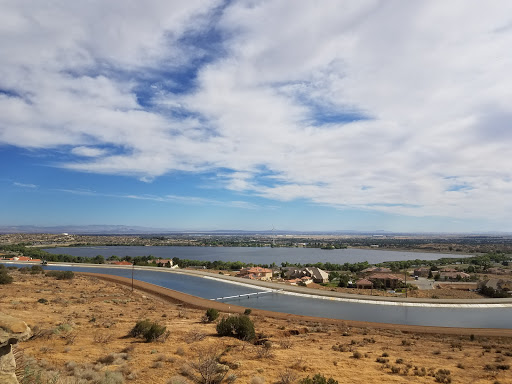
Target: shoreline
(172, 296)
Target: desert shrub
(206, 368)
(155, 332)
(148, 330)
(36, 269)
(443, 376)
(287, 377)
(258, 380)
(5, 278)
(318, 379)
(211, 314)
(382, 360)
(42, 300)
(240, 327)
(247, 311)
(61, 275)
(177, 380)
(357, 355)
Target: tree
(333, 275)
(343, 281)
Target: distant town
(456, 244)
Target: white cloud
(88, 151)
(431, 81)
(24, 185)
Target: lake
(257, 255)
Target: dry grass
(91, 340)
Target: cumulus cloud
(389, 106)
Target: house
(121, 263)
(496, 271)
(24, 258)
(385, 280)
(423, 271)
(364, 284)
(456, 275)
(258, 273)
(497, 284)
(316, 274)
(164, 262)
(376, 270)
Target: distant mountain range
(138, 230)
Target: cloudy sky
(202, 114)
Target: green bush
(247, 311)
(318, 379)
(239, 326)
(148, 330)
(141, 327)
(61, 275)
(5, 278)
(36, 269)
(211, 314)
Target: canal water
(489, 317)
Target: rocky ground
(81, 329)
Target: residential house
(164, 262)
(497, 284)
(422, 271)
(316, 274)
(258, 273)
(385, 280)
(456, 275)
(376, 270)
(24, 258)
(496, 271)
(364, 284)
(121, 263)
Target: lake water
(257, 255)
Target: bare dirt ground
(81, 336)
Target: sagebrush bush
(5, 278)
(318, 379)
(61, 275)
(239, 326)
(148, 330)
(211, 314)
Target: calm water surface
(495, 317)
(264, 255)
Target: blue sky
(204, 115)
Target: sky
(253, 115)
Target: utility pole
(133, 269)
(405, 274)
